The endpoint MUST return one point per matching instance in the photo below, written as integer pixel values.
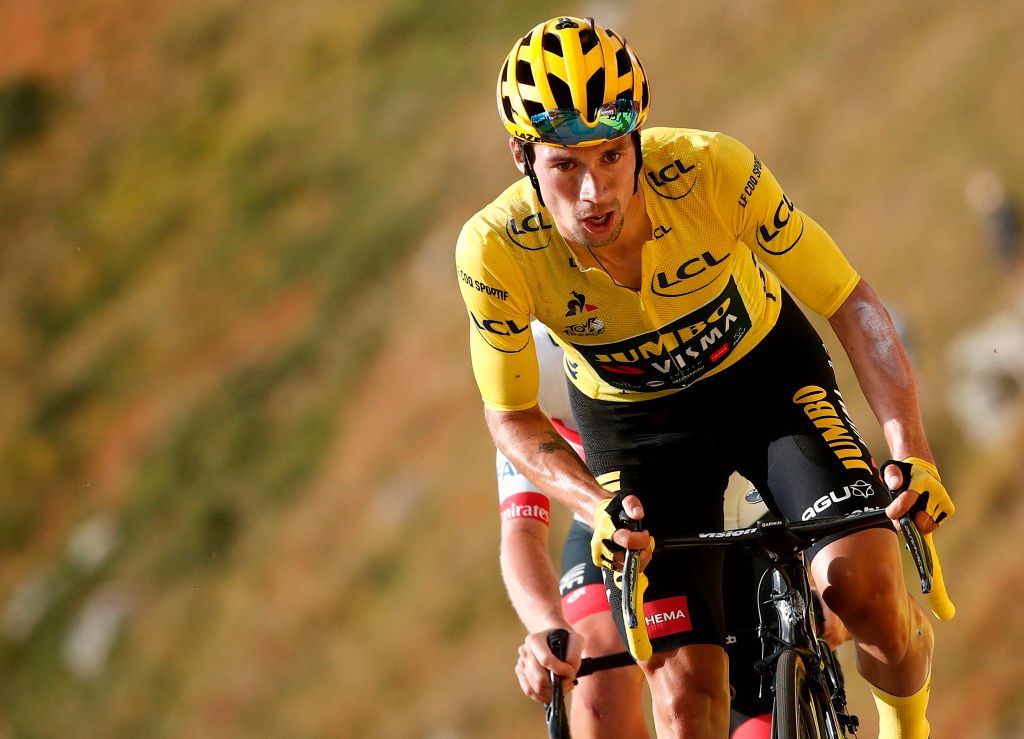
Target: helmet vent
(532, 108)
(646, 97)
(552, 43)
(561, 92)
(623, 65)
(524, 73)
(506, 103)
(588, 40)
(595, 93)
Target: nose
(591, 186)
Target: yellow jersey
(719, 218)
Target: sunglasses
(566, 127)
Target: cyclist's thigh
(683, 600)
(581, 586)
(661, 451)
(803, 451)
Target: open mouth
(598, 221)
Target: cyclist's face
(587, 188)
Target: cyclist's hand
(925, 495)
(610, 539)
(535, 659)
(607, 549)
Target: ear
(517, 153)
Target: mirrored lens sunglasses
(566, 127)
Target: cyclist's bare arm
(529, 577)
(880, 362)
(537, 450)
(533, 589)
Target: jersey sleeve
(497, 300)
(517, 496)
(752, 204)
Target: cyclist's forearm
(536, 449)
(530, 579)
(866, 331)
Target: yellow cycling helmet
(573, 83)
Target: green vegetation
(24, 106)
(212, 332)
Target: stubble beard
(590, 241)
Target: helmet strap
(528, 156)
(639, 161)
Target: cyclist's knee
(883, 618)
(609, 704)
(860, 588)
(689, 690)
(600, 632)
(877, 616)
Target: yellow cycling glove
(606, 523)
(924, 479)
(934, 501)
(602, 549)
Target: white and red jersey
(519, 497)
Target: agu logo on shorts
(667, 616)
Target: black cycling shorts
(776, 417)
(582, 592)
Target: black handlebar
(558, 721)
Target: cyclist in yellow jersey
(662, 262)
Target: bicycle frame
(795, 629)
(783, 543)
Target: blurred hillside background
(245, 485)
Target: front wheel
(801, 711)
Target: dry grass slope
(229, 325)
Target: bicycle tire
(798, 712)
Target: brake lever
(630, 575)
(911, 535)
(554, 712)
(918, 550)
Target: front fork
(794, 609)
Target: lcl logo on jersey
(676, 284)
(531, 233)
(766, 234)
(668, 182)
(489, 328)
